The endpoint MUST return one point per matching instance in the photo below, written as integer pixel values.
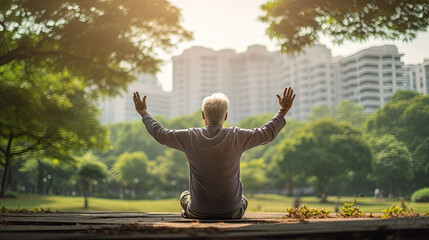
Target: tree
(253, 174)
(43, 111)
(320, 112)
(324, 149)
(91, 171)
(350, 112)
(405, 117)
(172, 169)
(103, 42)
(130, 137)
(346, 111)
(133, 169)
(299, 23)
(392, 163)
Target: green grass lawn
(257, 203)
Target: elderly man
(214, 155)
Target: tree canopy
(40, 110)
(405, 117)
(296, 24)
(346, 111)
(90, 172)
(105, 42)
(324, 149)
(392, 162)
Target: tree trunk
(85, 194)
(86, 200)
(5, 176)
(321, 188)
(289, 187)
(39, 177)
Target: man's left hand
(140, 105)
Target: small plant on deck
(395, 211)
(304, 212)
(349, 211)
(4, 209)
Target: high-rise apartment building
(252, 79)
(121, 108)
(371, 76)
(311, 74)
(417, 77)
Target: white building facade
(252, 79)
(370, 77)
(417, 77)
(121, 108)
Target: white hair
(215, 108)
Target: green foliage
(171, 171)
(405, 117)
(4, 209)
(349, 211)
(392, 162)
(346, 111)
(130, 137)
(50, 114)
(91, 170)
(421, 195)
(105, 42)
(299, 23)
(132, 168)
(324, 149)
(11, 194)
(184, 122)
(253, 175)
(320, 112)
(304, 212)
(393, 211)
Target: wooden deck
(127, 225)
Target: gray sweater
(214, 160)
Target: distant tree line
(339, 150)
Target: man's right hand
(140, 104)
(286, 101)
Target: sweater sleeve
(263, 135)
(177, 139)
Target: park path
(135, 225)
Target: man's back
(214, 160)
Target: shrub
(421, 195)
(11, 194)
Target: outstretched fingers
(138, 96)
(290, 101)
(290, 93)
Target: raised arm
(267, 133)
(177, 139)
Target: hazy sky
(233, 24)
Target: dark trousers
(188, 213)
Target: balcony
(369, 86)
(370, 103)
(369, 95)
(368, 79)
(364, 71)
